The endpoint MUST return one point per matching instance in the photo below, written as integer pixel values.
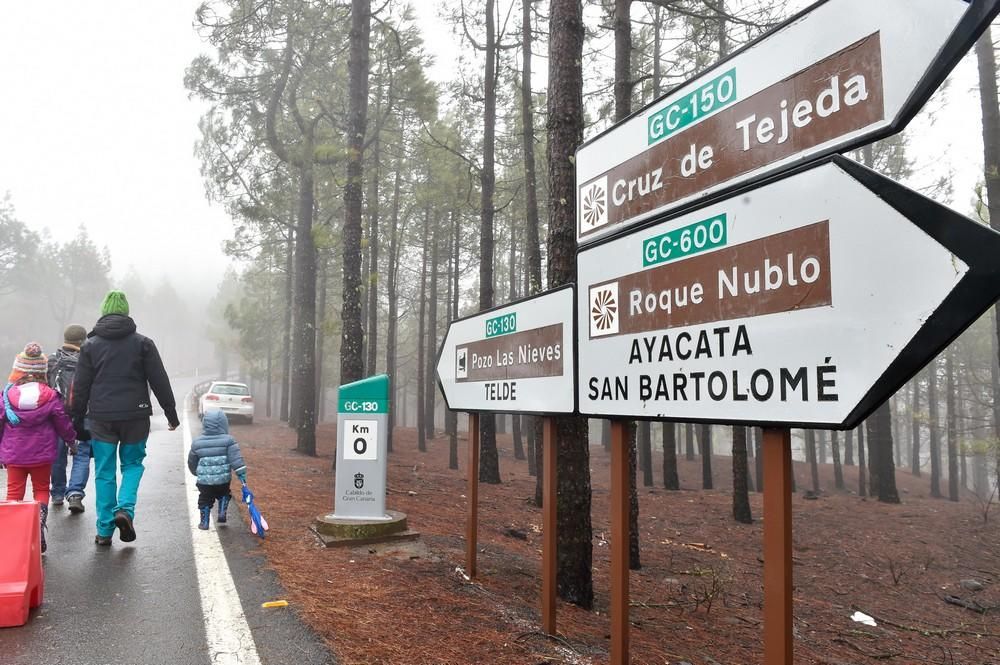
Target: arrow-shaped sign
(838, 75)
(516, 358)
(807, 301)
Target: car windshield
(230, 389)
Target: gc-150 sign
(517, 358)
(840, 74)
(813, 299)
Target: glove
(72, 447)
(242, 475)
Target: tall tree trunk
(689, 442)
(741, 470)
(821, 446)
(634, 558)
(915, 428)
(882, 427)
(421, 333)
(670, 479)
(515, 419)
(811, 458)
(391, 287)
(352, 332)
(849, 448)
(430, 392)
(532, 243)
(286, 338)
(489, 461)
(986, 59)
(564, 122)
(873, 438)
(705, 439)
(371, 339)
(838, 471)
(303, 403)
(932, 427)
(951, 424)
(862, 467)
(646, 453)
(451, 307)
(321, 342)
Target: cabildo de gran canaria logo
(594, 205)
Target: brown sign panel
(778, 273)
(529, 354)
(829, 99)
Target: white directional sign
(517, 358)
(839, 75)
(806, 301)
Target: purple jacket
(42, 422)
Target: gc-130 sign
(840, 74)
(517, 358)
(806, 301)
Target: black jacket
(116, 369)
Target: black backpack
(62, 375)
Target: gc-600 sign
(800, 317)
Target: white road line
(227, 633)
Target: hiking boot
(103, 541)
(57, 500)
(75, 504)
(206, 514)
(223, 505)
(42, 519)
(125, 529)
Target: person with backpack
(115, 372)
(62, 370)
(32, 422)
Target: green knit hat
(114, 303)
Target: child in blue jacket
(214, 456)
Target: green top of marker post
(369, 395)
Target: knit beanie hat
(75, 334)
(114, 303)
(30, 363)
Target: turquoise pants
(111, 498)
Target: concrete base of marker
(339, 532)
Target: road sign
(807, 301)
(362, 443)
(517, 358)
(839, 75)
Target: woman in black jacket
(116, 369)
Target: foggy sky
(96, 128)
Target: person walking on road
(32, 420)
(116, 370)
(214, 457)
(61, 371)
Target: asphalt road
(139, 603)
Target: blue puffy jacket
(215, 454)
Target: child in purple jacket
(32, 420)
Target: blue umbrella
(258, 525)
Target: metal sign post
(838, 75)
(777, 451)
(517, 358)
(620, 505)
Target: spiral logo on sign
(594, 204)
(604, 310)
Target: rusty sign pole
(619, 543)
(777, 546)
(549, 525)
(472, 524)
